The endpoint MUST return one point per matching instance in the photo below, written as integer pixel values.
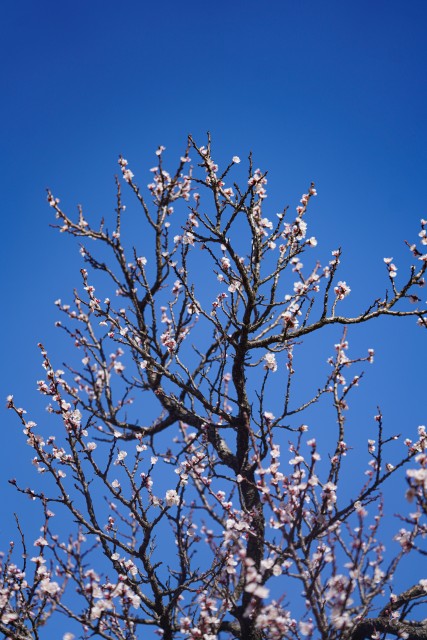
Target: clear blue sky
(333, 92)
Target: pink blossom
(172, 498)
(269, 417)
(49, 587)
(270, 362)
(234, 286)
(342, 290)
(225, 263)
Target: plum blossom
(342, 290)
(270, 362)
(276, 621)
(392, 269)
(127, 174)
(405, 539)
(234, 286)
(423, 235)
(297, 230)
(168, 341)
(225, 263)
(253, 581)
(120, 456)
(49, 587)
(329, 495)
(269, 417)
(306, 628)
(172, 498)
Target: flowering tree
(201, 504)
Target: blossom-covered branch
(201, 499)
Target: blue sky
(332, 92)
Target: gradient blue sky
(333, 92)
